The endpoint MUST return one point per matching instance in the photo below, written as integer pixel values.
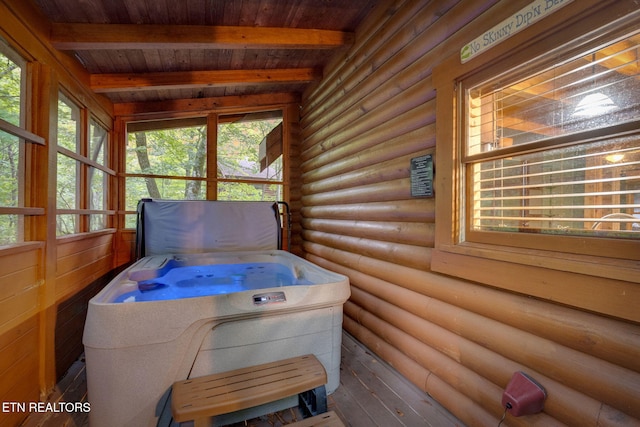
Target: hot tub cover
(188, 226)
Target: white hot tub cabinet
(136, 350)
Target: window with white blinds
(559, 151)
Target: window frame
(578, 28)
(597, 246)
(223, 119)
(81, 156)
(211, 179)
(93, 166)
(25, 138)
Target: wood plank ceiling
(158, 50)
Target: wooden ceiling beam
(175, 108)
(130, 36)
(104, 83)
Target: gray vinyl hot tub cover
(189, 226)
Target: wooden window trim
(21, 247)
(7, 210)
(21, 133)
(81, 156)
(591, 282)
(68, 238)
(85, 161)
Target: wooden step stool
(200, 398)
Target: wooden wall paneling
(47, 109)
(19, 281)
(373, 131)
(73, 245)
(19, 360)
(125, 245)
(76, 279)
(414, 120)
(21, 390)
(18, 307)
(420, 40)
(617, 386)
(398, 253)
(85, 264)
(608, 296)
(125, 238)
(395, 168)
(370, 35)
(377, 115)
(568, 404)
(112, 181)
(412, 210)
(464, 408)
(443, 349)
(398, 189)
(18, 341)
(362, 153)
(70, 320)
(475, 387)
(611, 340)
(363, 118)
(410, 233)
(19, 270)
(390, 46)
(291, 150)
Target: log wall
(458, 341)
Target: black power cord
(504, 414)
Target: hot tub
(171, 317)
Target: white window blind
(559, 151)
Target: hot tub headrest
(188, 226)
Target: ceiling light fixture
(614, 158)
(594, 104)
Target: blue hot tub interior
(204, 280)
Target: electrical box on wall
(523, 395)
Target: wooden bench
(200, 398)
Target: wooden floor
(371, 394)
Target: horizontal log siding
(19, 363)
(20, 284)
(458, 341)
(81, 260)
(20, 280)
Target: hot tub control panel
(268, 298)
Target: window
(12, 162)
(68, 167)
(165, 160)
(538, 167)
(249, 157)
(82, 170)
(179, 159)
(557, 152)
(97, 176)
